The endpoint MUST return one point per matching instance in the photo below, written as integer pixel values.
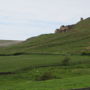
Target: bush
(85, 53)
(66, 61)
(45, 76)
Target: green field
(48, 62)
(57, 84)
(28, 68)
(15, 63)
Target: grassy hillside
(4, 43)
(74, 41)
(48, 62)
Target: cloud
(38, 16)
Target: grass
(15, 63)
(27, 61)
(55, 84)
(72, 42)
(29, 67)
(65, 57)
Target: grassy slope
(29, 67)
(75, 41)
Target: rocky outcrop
(67, 27)
(64, 28)
(82, 19)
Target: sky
(22, 19)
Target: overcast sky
(21, 19)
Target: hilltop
(66, 28)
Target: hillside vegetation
(59, 61)
(73, 42)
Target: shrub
(45, 76)
(85, 53)
(66, 61)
